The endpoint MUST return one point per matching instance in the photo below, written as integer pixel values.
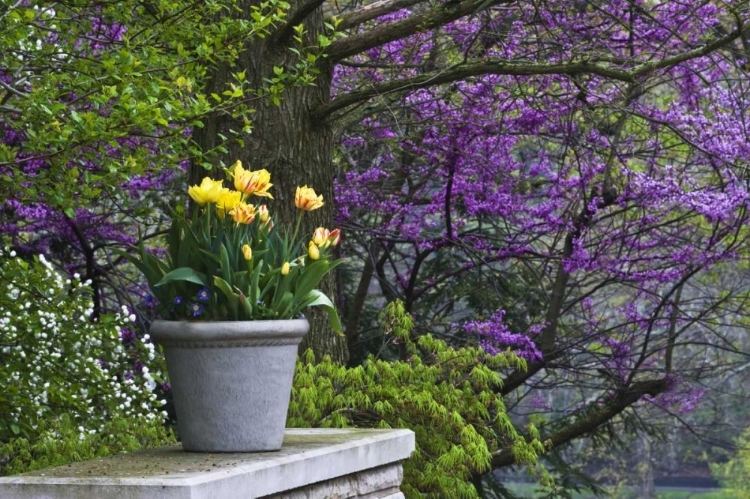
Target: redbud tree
(576, 191)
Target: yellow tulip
(247, 252)
(306, 199)
(312, 251)
(207, 192)
(285, 268)
(252, 182)
(227, 201)
(243, 213)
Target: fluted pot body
(231, 381)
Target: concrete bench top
(308, 456)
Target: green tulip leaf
(153, 275)
(285, 304)
(311, 276)
(184, 274)
(316, 298)
(226, 267)
(232, 297)
(254, 291)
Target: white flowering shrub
(56, 363)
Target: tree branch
(672, 331)
(90, 267)
(13, 90)
(649, 67)
(593, 416)
(463, 71)
(299, 15)
(373, 10)
(417, 23)
(358, 303)
(504, 67)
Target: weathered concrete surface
(309, 456)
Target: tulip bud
(247, 252)
(312, 251)
(335, 237)
(320, 236)
(285, 268)
(263, 213)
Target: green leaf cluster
(447, 396)
(98, 108)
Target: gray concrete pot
(231, 381)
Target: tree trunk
(644, 478)
(287, 142)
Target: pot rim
(167, 332)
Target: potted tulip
(233, 286)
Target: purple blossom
(150, 301)
(495, 337)
(127, 335)
(204, 294)
(196, 309)
(682, 397)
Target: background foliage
(445, 395)
(733, 475)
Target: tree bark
(644, 469)
(296, 149)
(358, 302)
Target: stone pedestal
(313, 464)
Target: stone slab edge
(244, 481)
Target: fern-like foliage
(445, 395)
(59, 441)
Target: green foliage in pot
(229, 261)
(445, 395)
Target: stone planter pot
(231, 381)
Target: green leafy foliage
(445, 395)
(734, 474)
(55, 361)
(120, 84)
(59, 442)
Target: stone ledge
(309, 456)
(378, 483)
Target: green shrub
(61, 373)
(444, 395)
(58, 441)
